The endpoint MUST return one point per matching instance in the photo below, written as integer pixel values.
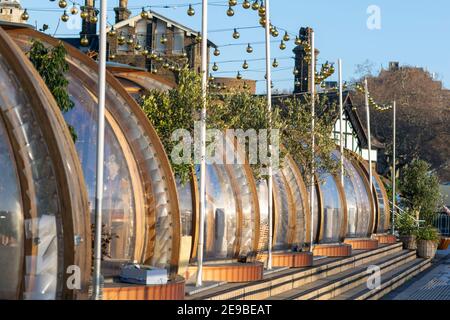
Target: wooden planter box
(426, 249)
(409, 242)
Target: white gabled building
(11, 11)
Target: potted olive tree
(427, 241)
(419, 187)
(407, 229)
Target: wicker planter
(409, 242)
(426, 249)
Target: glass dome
(359, 205)
(43, 204)
(333, 208)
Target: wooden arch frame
(73, 229)
(119, 97)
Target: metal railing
(398, 211)
(442, 222)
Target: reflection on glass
(282, 220)
(221, 214)
(316, 214)
(263, 194)
(11, 228)
(298, 238)
(118, 196)
(186, 207)
(332, 208)
(381, 228)
(358, 204)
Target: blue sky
(412, 32)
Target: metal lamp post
(204, 71)
(97, 277)
(369, 138)
(394, 145)
(269, 108)
(341, 121)
(313, 138)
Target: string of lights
(90, 14)
(379, 107)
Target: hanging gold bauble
(215, 67)
(144, 14)
(190, 11)
(130, 41)
(93, 19)
(25, 16)
(65, 16)
(62, 4)
(154, 70)
(163, 39)
(172, 68)
(211, 77)
(255, 5)
(262, 22)
(137, 47)
(239, 76)
(246, 4)
(166, 65)
(216, 52)
(275, 32)
(144, 52)
(230, 12)
(296, 72)
(245, 86)
(84, 14)
(286, 37)
(249, 48)
(275, 63)
(112, 32)
(74, 10)
(236, 34)
(232, 3)
(298, 41)
(84, 42)
(245, 65)
(282, 45)
(198, 38)
(262, 10)
(159, 58)
(112, 56)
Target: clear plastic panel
(282, 203)
(186, 207)
(333, 212)
(381, 228)
(11, 222)
(119, 211)
(221, 215)
(299, 203)
(263, 198)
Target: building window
(161, 29)
(178, 42)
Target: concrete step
(282, 281)
(341, 282)
(389, 281)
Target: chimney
(88, 28)
(303, 78)
(394, 66)
(122, 12)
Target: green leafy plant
(52, 66)
(406, 224)
(428, 233)
(175, 109)
(419, 187)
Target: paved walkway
(433, 284)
